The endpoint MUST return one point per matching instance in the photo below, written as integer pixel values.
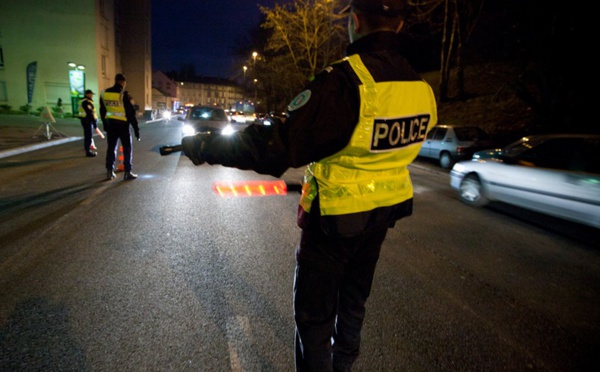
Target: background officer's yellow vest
(82, 113)
(371, 171)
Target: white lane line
(238, 334)
(417, 189)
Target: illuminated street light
(255, 90)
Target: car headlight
(227, 130)
(188, 130)
(458, 167)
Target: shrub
(25, 108)
(5, 109)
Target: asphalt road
(161, 273)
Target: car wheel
(446, 160)
(471, 191)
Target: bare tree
(457, 22)
(307, 35)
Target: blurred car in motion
(451, 143)
(240, 117)
(557, 174)
(267, 119)
(203, 119)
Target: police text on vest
(391, 134)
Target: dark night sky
(201, 32)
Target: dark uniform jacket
(90, 113)
(321, 127)
(129, 109)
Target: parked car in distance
(555, 174)
(200, 119)
(451, 143)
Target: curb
(37, 146)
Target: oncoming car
(556, 174)
(205, 119)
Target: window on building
(104, 37)
(3, 95)
(103, 66)
(102, 8)
(1, 58)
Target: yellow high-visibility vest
(115, 109)
(371, 171)
(81, 110)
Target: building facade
(209, 91)
(51, 50)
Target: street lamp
(255, 91)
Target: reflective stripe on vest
(115, 109)
(371, 171)
(81, 110)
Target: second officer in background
(118, 113)
(89, 122)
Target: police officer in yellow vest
(89, 121)
(117, 112)
(356, 126)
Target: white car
(205, 119)
(556, 174)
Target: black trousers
(332, 283)
(88, 130)
(118, 130)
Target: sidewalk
(24, 133)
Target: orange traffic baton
(121, 158)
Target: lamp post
(77, 84)
(255, 91)
(244, 82)
(254, 55)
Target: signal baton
(167, 149)
(244, 188)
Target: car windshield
(522, 145)
(470, 134)
(201, 113)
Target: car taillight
(460, 150)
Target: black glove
(137, 134)
(192, 147)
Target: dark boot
(129, 176)
(110, 174)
